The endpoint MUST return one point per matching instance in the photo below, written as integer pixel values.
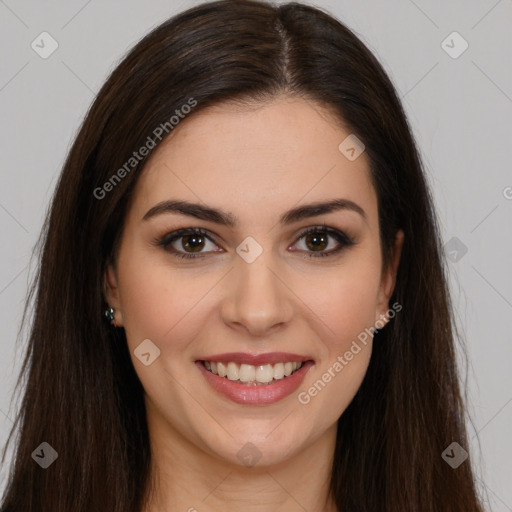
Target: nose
(258, 299)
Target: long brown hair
(82, 394)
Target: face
(259, 285)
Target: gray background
(459, 108)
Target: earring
(109, 315)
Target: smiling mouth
(253, 375)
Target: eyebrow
(224, 218)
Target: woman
(241, 299)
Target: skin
(256, 162)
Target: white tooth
(221, 369)
(264, 373)
(247, 372)
(278, 371)
(233, 371)
(207, 364)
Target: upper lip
(257, 360)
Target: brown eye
(318, 239)
(193, 241)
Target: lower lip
(254, 394)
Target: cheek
(146, 304)
(344, 300)
(156, 299)
(163, 305)
(347, 307)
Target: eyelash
(342, 238)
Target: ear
(111, 293)
(388, 279)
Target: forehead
(256, 160)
